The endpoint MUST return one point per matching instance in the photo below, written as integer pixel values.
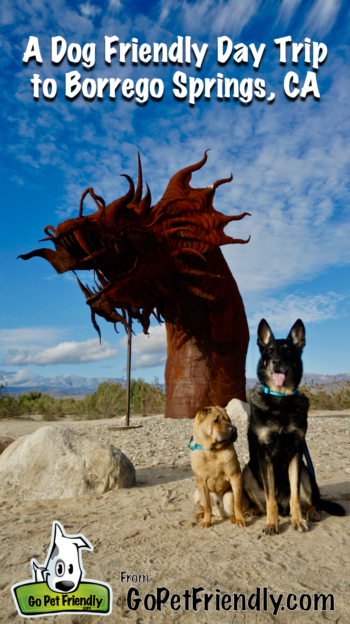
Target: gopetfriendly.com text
(196, 599)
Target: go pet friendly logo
(59, 585)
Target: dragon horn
(81, 202)
(222, 181)
(145, 203)
(138, 192)
(182, 178)
(84, 289)
(123, 200)
(113, 208)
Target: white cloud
(115, 4)
(149, 350)
(7, 13)
(89, 10)
(148, 361)
(19, 377)
(64, 353)
(281, 314)
(205, 16)
(288, 9)
(30, 336)
(322, 16)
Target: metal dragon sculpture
(164, 260)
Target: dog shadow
(154, 475)
(339, 492)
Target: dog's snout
(276, 361)
(233, 433)
(64, 585)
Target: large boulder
(238, 411)
(55, 462)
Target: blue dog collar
(268, 391)
(195, 447)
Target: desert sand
(150, 530)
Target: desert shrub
(28, 403)
(8, 403)
(146, 398)
(50, 407)
(9, 407)
(322, 398)
(341, 394)
(108, 401)
(37, 403)
(73, 407)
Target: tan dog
(216, 468)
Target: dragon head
(146, 259)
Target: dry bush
(322, 398)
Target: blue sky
(290, 161)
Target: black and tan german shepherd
(276, 479)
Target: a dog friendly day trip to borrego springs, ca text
(174, 328)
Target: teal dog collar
(195, 447)
(268, 391)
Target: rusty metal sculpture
(165, 260)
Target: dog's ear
(204, 412)
(81, 543)
(297, 335)
(264, 334)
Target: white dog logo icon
(63, 568)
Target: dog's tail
(335, 509)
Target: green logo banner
(34, 599)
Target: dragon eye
(70, 568)
(60, 567)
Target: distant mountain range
(73, 385)
(62, 385)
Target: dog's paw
(199, 515)
(300, 525)
(205, 524)
(253, 511)
(233, 519)
(241, 522)
(271, 529)
(313, 516)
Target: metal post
(128, 370)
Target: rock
(5, 441)
(238, 411)
(56, 463)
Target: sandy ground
(150, 530)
